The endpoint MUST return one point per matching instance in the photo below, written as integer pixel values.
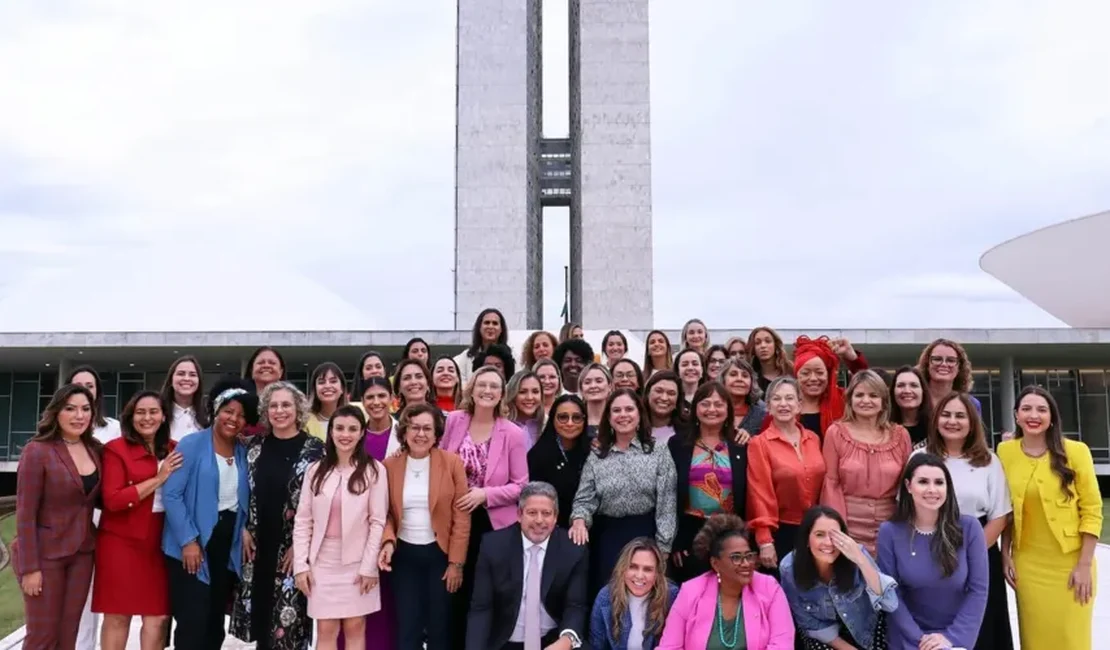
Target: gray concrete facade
(610, 133)
(500, 175)
(498, 220)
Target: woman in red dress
(130, 577)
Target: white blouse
(416, 517)
(184, 422)
(229, 483)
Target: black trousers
(423, 603)
(199, 608)
(460, 606)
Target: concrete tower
(506, 172)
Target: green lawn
(11, 598)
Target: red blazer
(127, 464)
(52, 512)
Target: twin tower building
(507, 171)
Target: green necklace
(721, 624)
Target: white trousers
(87, 632)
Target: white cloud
(815, 165)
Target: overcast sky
(290, 163)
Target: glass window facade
(1082, 394)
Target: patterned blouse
(475, 458)
(630, 482)
(710, 481)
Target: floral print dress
(288, 627)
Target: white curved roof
(170, 293)
(1064, 269)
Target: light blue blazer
(191, 498)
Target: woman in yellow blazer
(425, 540)
(1048, 552)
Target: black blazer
(499, 587)
(547, 463)
(683, 453)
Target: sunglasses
(564, 418)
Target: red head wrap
(832, 402)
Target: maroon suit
(55, 535)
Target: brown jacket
(446, 483)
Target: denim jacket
(601, 623)
(819, 611)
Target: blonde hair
(513, 389)
(592, 366)
(685, 328)
(658, 601)
(467, 401)
(300, 403)
(868, 379)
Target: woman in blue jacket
(206, 508)
(835, 589)
(630, 611)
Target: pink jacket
(768, 624)
(363, 520)
(506, 470)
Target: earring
(718, 578)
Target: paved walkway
(1101, 618)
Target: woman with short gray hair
(269, 608)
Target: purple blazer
(506, 470)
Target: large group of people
(707, 496)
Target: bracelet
(458, 565)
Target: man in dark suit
(530, 582)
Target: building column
(64, 368)
(243, 368)
(1006, 384)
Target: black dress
(271, 486)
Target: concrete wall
(610, 126)
(498, 237)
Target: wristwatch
(575, 642)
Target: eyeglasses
(740, 559)
(576, 418)
(944, 361)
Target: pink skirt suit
(336, 537)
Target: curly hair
(962, 383)
(717, 529)
(300, 402)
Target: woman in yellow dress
(1048, 552)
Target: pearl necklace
(913, 537)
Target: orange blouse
(861, 479)
(782, 486)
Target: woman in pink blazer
(337, 533)
(495, 457)
(730, 606)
